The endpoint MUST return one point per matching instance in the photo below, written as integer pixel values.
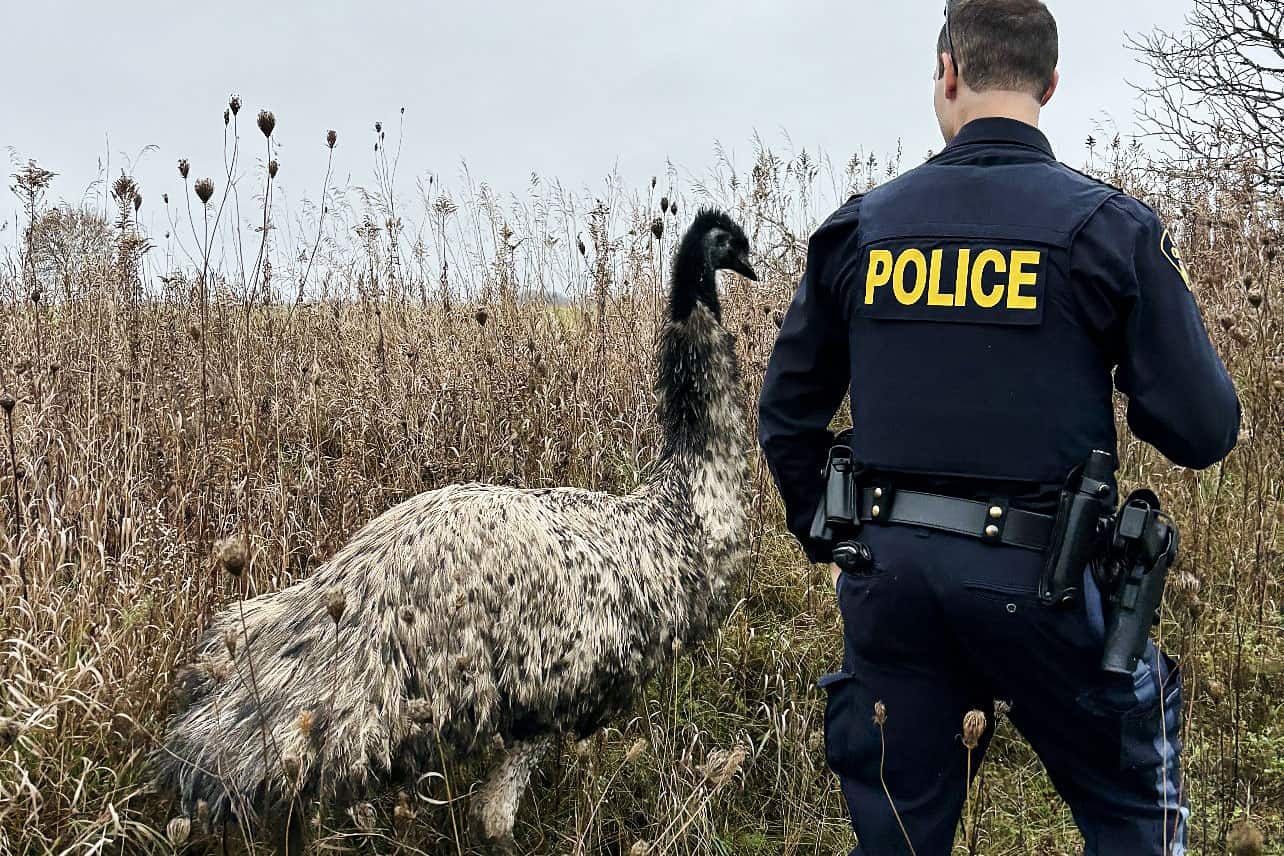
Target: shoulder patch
(1169, 248)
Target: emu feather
(478, 611)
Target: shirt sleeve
(807, 377)
(1181, 399)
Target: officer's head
(992, 53)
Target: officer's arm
(806, 379)
(1180, 397)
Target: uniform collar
(998, 129)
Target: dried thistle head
(336, 601)
(178, 830)
(331, 137)
(184, 167)
(1001, 708)
(640, 848)
(227, 118)
(7, 404)
(481, 317)
(1245, 839)
(880, 714)
(229, 642)
(664, 205)
(657, 228)
(267, 122)
(231, 554)
(234, 104)
(292, 765)
(204, 188)
(974, 724)
(273, 166)
(138, 202)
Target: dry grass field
(278, 377)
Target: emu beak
(740, 264)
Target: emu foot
(494, 806)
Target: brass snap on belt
(993, 522)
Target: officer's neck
(995, 105)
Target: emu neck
(702, 418)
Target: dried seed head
(7, 403)
(306, 720)
(723, 764)
(673, 208)
(178, 830)
(230, 553)
(292, 765)
(363, 816)
(664, 205)
(1001, 708)
(635, 751)
(640, 848)
(183, 167)
(1216, 690)
(657, 228)
(165, 198)
(880, 713)
(204, 188)
(227, 118)
(267, 122)
(973, 728)
(404, 814)
(202, 815)
(273, 166)
(35, 296)
(583, 249)
(138, 201)
(331, 137)
(1245, 839)
(229, 642)
(336, 601)
(481, 317)
(1254, 299)
(234, 104)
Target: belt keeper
(884, 496)
(996, 520)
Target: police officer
(978, 309)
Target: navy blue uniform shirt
(980, 310)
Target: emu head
(712, 243)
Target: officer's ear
(950, 75)
(1052, 89)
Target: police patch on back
(1169, 248)
(953, 280)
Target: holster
(1143, 545)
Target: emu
(477, 612)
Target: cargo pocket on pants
(851, 738)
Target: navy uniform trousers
(945, 624)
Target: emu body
(478, 611)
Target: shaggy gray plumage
(477, 611)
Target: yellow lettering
(934, 296)
(984, 259)
(1019, 278)
(880, 273)
(960, 281)
(915, 257)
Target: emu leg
(494, 807)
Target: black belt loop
(996, 520)
(882, 500)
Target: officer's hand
(837, 572)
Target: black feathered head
(713, 242)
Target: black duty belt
(993, 522)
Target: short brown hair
(1002, 44)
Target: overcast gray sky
(568, 89)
